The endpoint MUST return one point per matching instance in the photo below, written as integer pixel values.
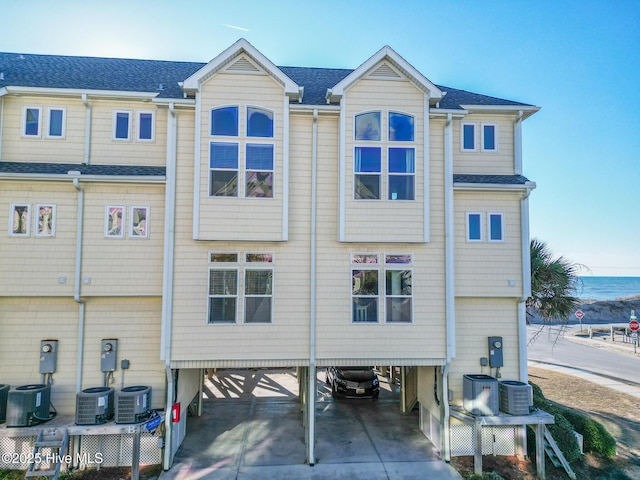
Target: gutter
(495, 186)
(43, 177)
(77, 283)
(311, 398)
(526, 285)
(1, 123)
(167, 278)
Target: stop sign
(579, 314)
(634, 325)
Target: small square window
(32, 122)
(489, 138)
(468, 136)
(56, 123)
(122, 125)
(145, 126)
(496, 227)
(474, 227)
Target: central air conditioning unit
(516, 398)
(133, 404)
(28, 405)
(4, 393)
(480, 394)
(94, 406)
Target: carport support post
(311, 409)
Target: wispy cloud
(235, 27)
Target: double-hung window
(367, 288)
(233, 278)
(32, 121)
(249, 155)
(370, 166)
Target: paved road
(548, 347)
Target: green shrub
(598, 440)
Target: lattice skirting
(92, 451)
(496, 440)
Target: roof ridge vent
(384, 70)
(1, 75)
(243, 65)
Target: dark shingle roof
(129, 75)
(491, 179)
(96, 170)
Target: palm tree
(554, 282)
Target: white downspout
(167, 278)
(1, 123)
(77, 283)
(517, 144)
(450, 313)
(311, 398)
(526, 285)
(87, 128)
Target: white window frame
(115, 123)
(468, 225)
(475, 136)
(258, 267)
(502, 227)
(123, 224)
(37, 231)
(398, 268)
(132, 227)
(139, 114)
(24, 121)
(224, 267)
(27, 223)
(495, 136)
(63, 130)
(368, 266)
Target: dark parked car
(353, 382)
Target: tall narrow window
(399, 296)
(224, 121)
(122, 125)
(223, 164)
(223, 295)
(468, 136)
(489, 137)
(259, 171)
(145, 126)
(56, 123)
(496, 227)
(258, 295)
(20, 220)
(46, 222)
(474, 227)
(367, 169)
(32, 122)
(402, 174)
(364, 295)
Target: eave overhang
(525, 110)
(192, 84)
(76, 92)
(335, 93)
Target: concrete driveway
(251, 428)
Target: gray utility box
(480, 394)
(515, 397)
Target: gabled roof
(385, 53)
(163, 79)
(241, 46)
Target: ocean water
(608, 288)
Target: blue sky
(577, 60)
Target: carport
(252, 426)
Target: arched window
(259, 122)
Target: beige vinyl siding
(135, 322)
(384, 220)
(24, 322)
(485, 268)
(106, 150)
(33, 265)
(500, 162)
(476, 320)
(122, 266)
(240, 218)
(18, 148)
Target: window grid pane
(258, 296)
(400, 127)
(398, 290)
(146, 126)
(474, 226)
(223, 289)
(469, 137)
(32, 121)
(367, 126)
(489, 137)
(122, 125)
(259, 122)
(495, 227)
(224, 121)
